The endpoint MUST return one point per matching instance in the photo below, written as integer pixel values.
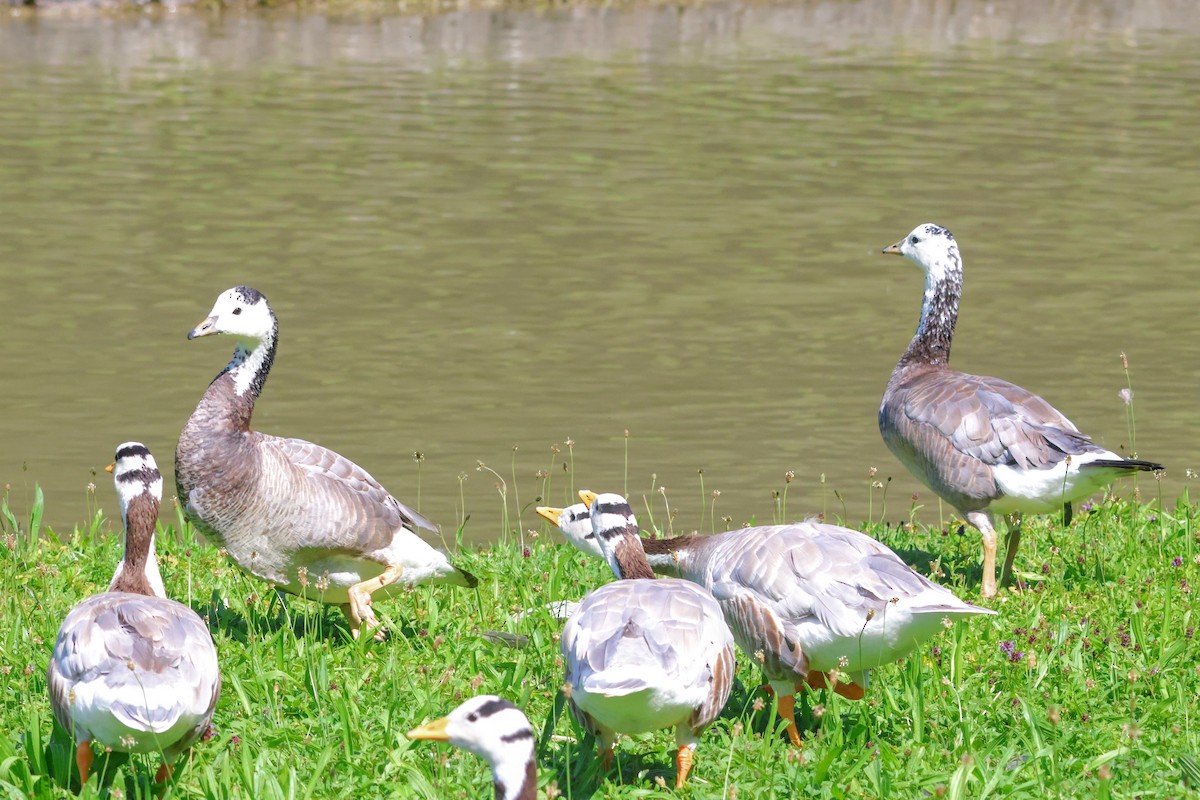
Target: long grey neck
(939, 314)
(228, 403)
(516, 779)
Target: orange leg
(787, 712)
(83, 759)
(683, 765)
(819, 680)
(358, 610)
(850, 691)
(164, 773)
(606, 758)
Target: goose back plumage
(644, 653)
(660, 645)
(811, 596)
(137, 674)
(952, 430)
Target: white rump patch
(1043, 491)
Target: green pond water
(494, 229)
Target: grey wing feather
(721, 674)
(364, 513)
(772, 578)
(154, 656)
(759, 630)
(952, 428)
(663, 626)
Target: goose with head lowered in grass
(296, 514)
(806, 600)
(983, 445)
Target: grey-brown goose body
(286, 510)
(983, 444)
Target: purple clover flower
(1009, 649)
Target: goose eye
(237, 311)
(472, 717)
(913, 240)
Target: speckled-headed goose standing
(497, 731)
(291, 512)
(644, 654)
(132, 670)
(809, 597)
(982, 444)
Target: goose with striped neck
(807, 600)
(303, 517)
(644, 654)
(496, 731)
(131, 669)
(983, 445)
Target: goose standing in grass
(497, 731)
(132, 670)
(291, 512)
(983, 445)
(644, 654)
(806, 600)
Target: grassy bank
(1085, 684)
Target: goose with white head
(984, 445)
(498, 732)
(644, 654)
(575, 523)
(806, 600)
(132, 670)
(291, 512)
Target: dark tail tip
(1127, 463)
(469, 580)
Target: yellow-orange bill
(435, 730)
(549, 513)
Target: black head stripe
(517, 736)
(621, 509)
(617, 531)
(938, 230)
(494, 707)
(576, 516)
(146, 475)
(130, 450)
(248, 295)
